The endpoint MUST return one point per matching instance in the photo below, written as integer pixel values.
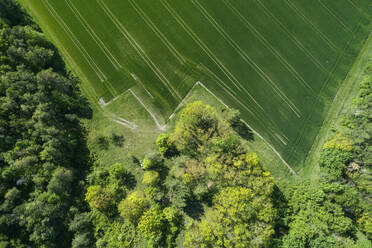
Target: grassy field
(341, 107)
(279, 62)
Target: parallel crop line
(356, 7)
(247, 59)
(90, 31)
(158, 33)
(293, 37)
(138, 49)
(325, 83)
(140, 82)
(201, 44)
(216, 77)
(314, 27)
(76, 42)
(227, 89)
(81, 48)
(277, 54)
(95, 37)
(210, 54)
(332, 13)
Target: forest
(201, 187)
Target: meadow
(279, 62)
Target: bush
(165, 145)
(133, 206)
(152, 162)
(151, 177)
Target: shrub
(150, 177)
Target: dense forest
(43, 153)
(202, 187)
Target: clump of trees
(43, 153)
(202, 176)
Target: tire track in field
(289, 34)
(75, 41)
(312, 25)
(268, 45)
(227, 89)
(206, 50)
(95, 37)
(149, 111)
(361, 11)
(201, 44)
(332, 13)
(158, 33)
(139, 50)
(232, 94)
(248, 59)
(80, 47)
(324, 85)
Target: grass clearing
(279, 62)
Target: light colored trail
(207, 51)
(268, 45)
(293, 37)
(335, 16)
(75, 41)
(93, 34)
(312, 25)
(149, 111)
(142, 85)
(125, 123)
(157, 32)
(139, 50)
(248, 59)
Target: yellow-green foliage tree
(152, 225)
(98, 198)
(132, 207)
(150, 177)
(197, 124)
(335, 155)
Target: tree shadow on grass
(103, 143)
(243, 130)
(117, 140)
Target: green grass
(279, 62)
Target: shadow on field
(244, 131)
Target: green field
(280, 62)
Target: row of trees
(43, 155)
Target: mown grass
(279, 62)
